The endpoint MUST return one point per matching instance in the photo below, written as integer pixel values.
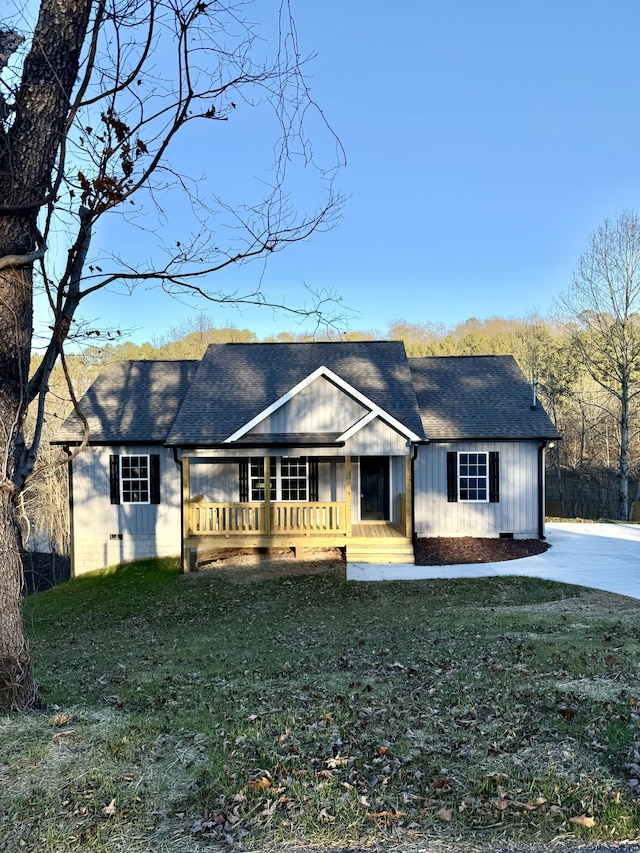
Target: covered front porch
(383, 535)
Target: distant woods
(582, 474)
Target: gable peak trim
(327, 373)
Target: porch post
(186, 496)
(408, 497)
(347, 493)
(267, 495)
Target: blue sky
(484, 142)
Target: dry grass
(301, 709)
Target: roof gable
(486, 396)
(372, 409)
(238, 385)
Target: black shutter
(154, 478)
(114, 478)
(273, 476)
(313, 479)
(244, 481)
(494, 477)
(452, 476)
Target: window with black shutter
(293, 478)
(473, 476)
(134, 479)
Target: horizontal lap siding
(516, 512)
(147, 530)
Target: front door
(374, 488)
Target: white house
(313, 444)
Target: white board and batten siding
(377, 439)
(515, 513)
(147, 530)
(319, 407)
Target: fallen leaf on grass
(495, 778)
(338, 761)
(385, 815)
(262, 782)
(583, 820)
(444, 814)
(110, 810)
(323, 814)
(59, 720)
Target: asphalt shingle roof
(484, 396)
(131, 401)
(200, 404)
(236, 382)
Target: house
(304, 445)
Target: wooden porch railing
(236, 519)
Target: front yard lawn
(185, 711)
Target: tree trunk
(17, 687)
(623, 469)
(29, 146)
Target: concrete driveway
(603, 556)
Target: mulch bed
(467, 549)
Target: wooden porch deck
(297, 526)
(375, 530)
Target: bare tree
(93, 99)
(601, 309)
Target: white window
(134, 479)
(293, 479)
(256, 480)
(289, 479)
(473, 477)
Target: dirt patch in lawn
(249, 566)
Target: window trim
(124, 479)
(259, 478)
(484, 477)
(298, 460)
(277, 478)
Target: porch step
(380, 552)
